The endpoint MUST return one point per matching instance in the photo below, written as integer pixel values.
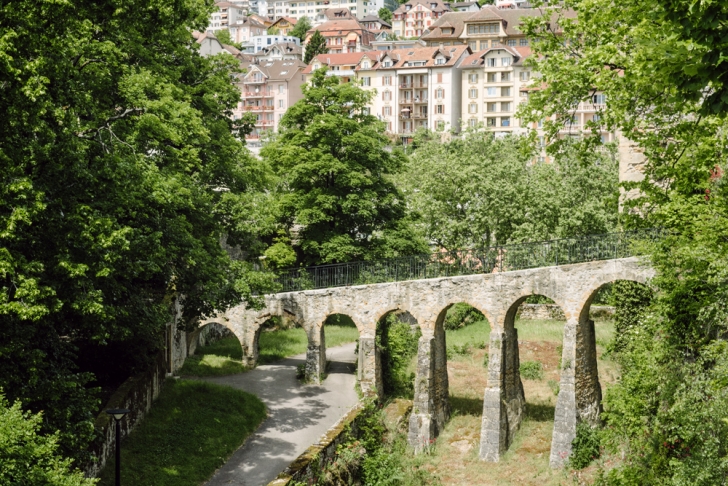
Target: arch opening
(279, 337)
(213, 350)
(396, 340)
(332, 348)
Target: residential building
(388, 45)
(447, 30)
(416, 88)
(375, 24)
(284, 25)
(464, 7)
(416, 16)
(258, 42)
(226, 14)
(345, 35)
(243, 29)
(285, 51)
(268, 90)
(344, 66)
(209, 45)
(495, 82)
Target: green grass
(275, 345)
(219, 358)
(190, 431)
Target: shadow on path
(298, 415)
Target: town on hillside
(431, 64)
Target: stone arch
(590, 295)
(431, 407)
(504, 401)
(316, 349)
(207, 332)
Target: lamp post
(118, 414)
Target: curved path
(298, 415)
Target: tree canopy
(659, 66)
(385, 14)
(121, 172)
(336, 197)
(302, 26)
(316, 45)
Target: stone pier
(503, 400)
(369, 369)
(316, 356)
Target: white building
(416, 88)
(226, 14)
(259, 42)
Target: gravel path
(298, 415)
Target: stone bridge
(497, 296)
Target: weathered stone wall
(135, 394)
(498, 296)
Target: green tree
(659, 67)
(316, 45)
(335, 174)
(302, 26)
(479, 190)
(29, 458)
(385, 14)
(225, 38)
(121, 171)
(273, 31)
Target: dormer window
(407, 7)
(433, 5)
(365, 65)
(387, 63)
(447, 31)
(440, 60)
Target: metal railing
(495, 259)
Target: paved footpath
(298, 415)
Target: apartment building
(284, 25)
(259, 42)
(345, 35)
(243, 29)
(464, 7)
(416, 88)
(285, 51)
(343, 66)
(495, 82)
(267, 90)
(416, 16)
(226, 14)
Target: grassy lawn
(190, 431)
(224, 356)
(454, 458)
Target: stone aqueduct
(497, 296)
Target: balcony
(257, 94)
(419, 116)
(408, 101)
(258, 108)
(254, 81)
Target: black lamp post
(118, 414)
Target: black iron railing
(496, 259)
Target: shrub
(29, 458)
(397, 342)
(585, 446)
(532, 370)
(460, 315)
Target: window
(492, 77)
(512, 42)
(490, 62)
(440, 109)
(523, 42)
(505, 91)
(506, 121)
(439, 77)
(440, 125)
(506, 61)
(599, 99)
(439, 93)
(505, 76)
(472, 108)
(491, 92)
(473, 78)
(506, 107)
(386, 96)
(280, 89)
(473, 45)
(280, 116)
(491, 107)
(387, 81)
(387, 63)
(490, 122)
(473, 122)
(483, 29)
(524, 75)
(280, 103)
(387, 111)
(365, 65)
(440, 60)
(596, 118)
(366, 81)
(472, 93)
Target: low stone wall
(136, 394)
(554, 311)
(325, 448)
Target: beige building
(226, 14)
(345, 35)
(416, 16)
(267, 90)
(244, 29)
(416, 88)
